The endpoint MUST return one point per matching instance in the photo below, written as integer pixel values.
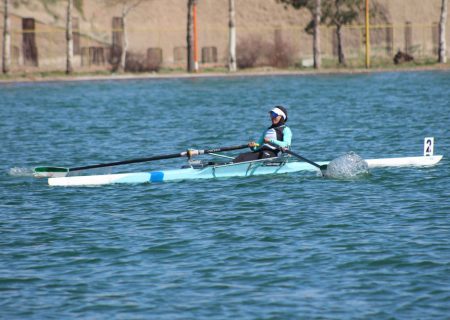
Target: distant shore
(87, 76)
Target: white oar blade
(50, 172)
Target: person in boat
(277, 135)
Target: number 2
(429, 146)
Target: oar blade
(323, 169)
(50, 172)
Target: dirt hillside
(162, 24)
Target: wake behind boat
(285, 163)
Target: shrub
(253, 51)
(249, 52)
(280, 54)
(135, 62)
(139, 62)
(154, 59)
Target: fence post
(195, 36)
(29, 48)
(408, 37)
(389, 40)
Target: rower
(278, 134)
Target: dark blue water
(269, 247)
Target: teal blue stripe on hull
(157, 176)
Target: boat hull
(244, 169)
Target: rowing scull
(243, 169)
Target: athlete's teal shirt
(286, 143)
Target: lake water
(268, 247)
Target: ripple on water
(280, 247)
(20, 172)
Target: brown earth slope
(407, 25)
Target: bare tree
(6, 54)
(442, 25)
(69, 38)
(232, 38)
(189, 36)
(127, 7)
(339, 13)
(315, 8)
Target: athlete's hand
(252, 144)
(266, 140)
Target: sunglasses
(273, 115)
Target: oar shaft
(322, 168)
(303, 158)
(117, 163)
(188, 153)
(285, 150)
(223, 149)
(191, 153)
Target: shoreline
(260, 72)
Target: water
(279, 247)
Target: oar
(323, 168)
(62, 172)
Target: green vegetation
(48, 4)
(329, 65)
(50, 74)
(379, 63)
(79, 5)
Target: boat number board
(428, 146)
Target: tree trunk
(341, 56)
(316, 36)
(6, 54)
(69, 38)
(442, 25)
(123, 55)
(189, 37)
(232, 43)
